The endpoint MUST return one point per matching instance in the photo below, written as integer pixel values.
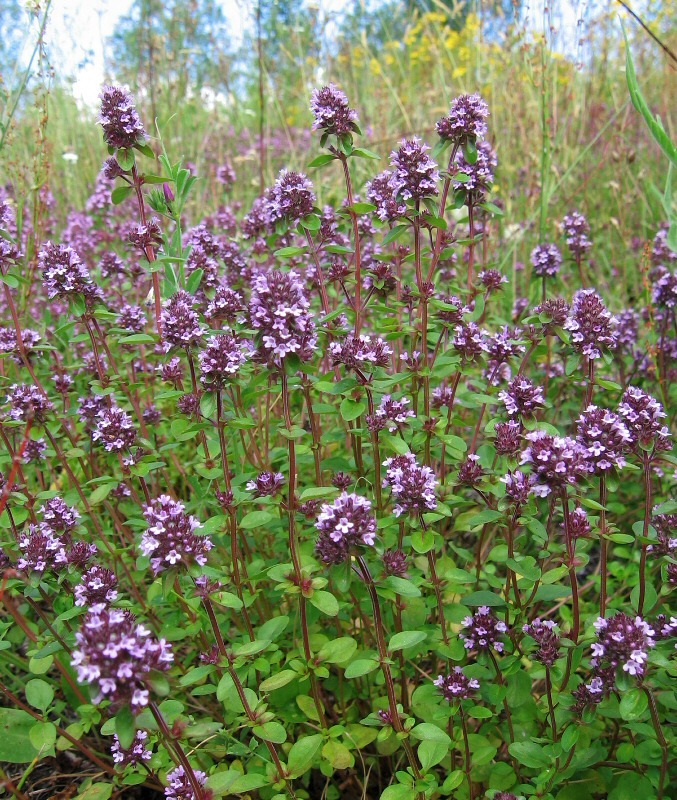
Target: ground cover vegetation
(352, 478)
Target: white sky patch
(78, 30)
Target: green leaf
(427, 732)
(320, 161)
(431, 753)
(255, 519)
(232, 782)
(39, 694)
(271, 731)
(307, 705)
(119, 194)
(325, 602)
(399, 792)
(634, 704)
(423, 541)
(361, 152)
(15, 741)
(194, 281)
(338, 651)
(101, 493)
(289, 252)
(43, 737)
(483, 599)
(352, 409)
(363, 666)
(530, 754)
(654, 124)
(96, 791)
(302, 754)
(404, 639)
(278, 680)
(251, 648)
(126, 159)
(401, 586)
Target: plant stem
(173, 744)
(646, 464)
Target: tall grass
(566, 128)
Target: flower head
(508, 435)
(361, 353)
(381, 191)
(480, 175)
(482, 631)
(280, 311)
(517, 487)
(97, 585)
(291, 197)
(605, 438)
(331, 111)
(522, 398)
(27, 402)
(466, 119)
(456, 686)
(413, 486)
(136, 753)
(64, 274)
(642, 415)
(556, 461)
(180, 324)
(266, 484)
(114, 429)
(121, 125)
(114, 654)
(221, 360)
(546, 260)
(392, 414)
(415, 174)
(576, 230)
(181, 788)
(623, 642)
(544, 633)
(60, 517)
(343, 525)
(170, 537)
(592, 326)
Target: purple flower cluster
(64, 274)
(114, 653)
(482, 631)
(664, 291)
(556, 461)
(27, 402)
(361, 353)
(180, 786)
(290, 198)
(221, 360)
(121, 125)
(522, 398)
(544, 633)
(576, 230)
(227, 304)
(466, 119)
(546, 260)
(666, 535)
(413, 486)
(469, 341)
(604, 437)
(180, 323)
(470, 472)
(280, 311)
(331, 111)
(592, 326)
(642, 415)
(600, 687)
(391, 414)
(136, 753)
(266, 484)
(40, 547)
(380, 191)
(170, 537)
(114, 429)
(623, 641)
(97, 585)
(517, 487)
(343, 525)
(415, 174)
(480, 175)
(508, 435)
(456, 686)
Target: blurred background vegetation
(562, 123)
